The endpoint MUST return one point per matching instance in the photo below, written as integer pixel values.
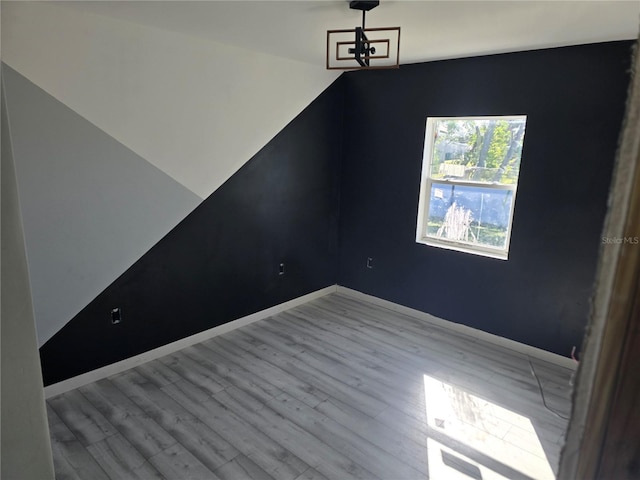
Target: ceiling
(431, 30)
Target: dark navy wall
(222, 261)
(574, 98)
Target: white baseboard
(528, 350)
(121, 366)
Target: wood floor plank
(325, 382)
(157, 372)
(362, 379)
(71, 460)
(177, 463)
(242, 468)
(121, 460)
(417, 338)
(389, 440)
(393, 358)
(137, 427)
(346, 348)
(416, 351)
(82, 418)
(197, 374)
(360, 332)
(329, 355)
(312, 474)
(200, 440)
(281, 380)
(232, 369)
(263, 450)
(301, 443)
(358, 448)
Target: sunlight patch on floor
(467, 426)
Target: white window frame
(426, 183)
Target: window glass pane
(486, 150)
(470, 214)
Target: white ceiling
(431, 30)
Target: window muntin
(469, 179)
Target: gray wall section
(90, 206)
(26, 448)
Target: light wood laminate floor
(334, 389)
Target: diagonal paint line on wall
(91, 206)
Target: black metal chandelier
(363, 48)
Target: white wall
(196, 109)
(26, 448)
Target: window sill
(484, 252)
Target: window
(469, 179)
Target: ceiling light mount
(364, 5)
(356, 48)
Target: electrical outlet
(116, 315)
(281, 269)
(369, 262)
